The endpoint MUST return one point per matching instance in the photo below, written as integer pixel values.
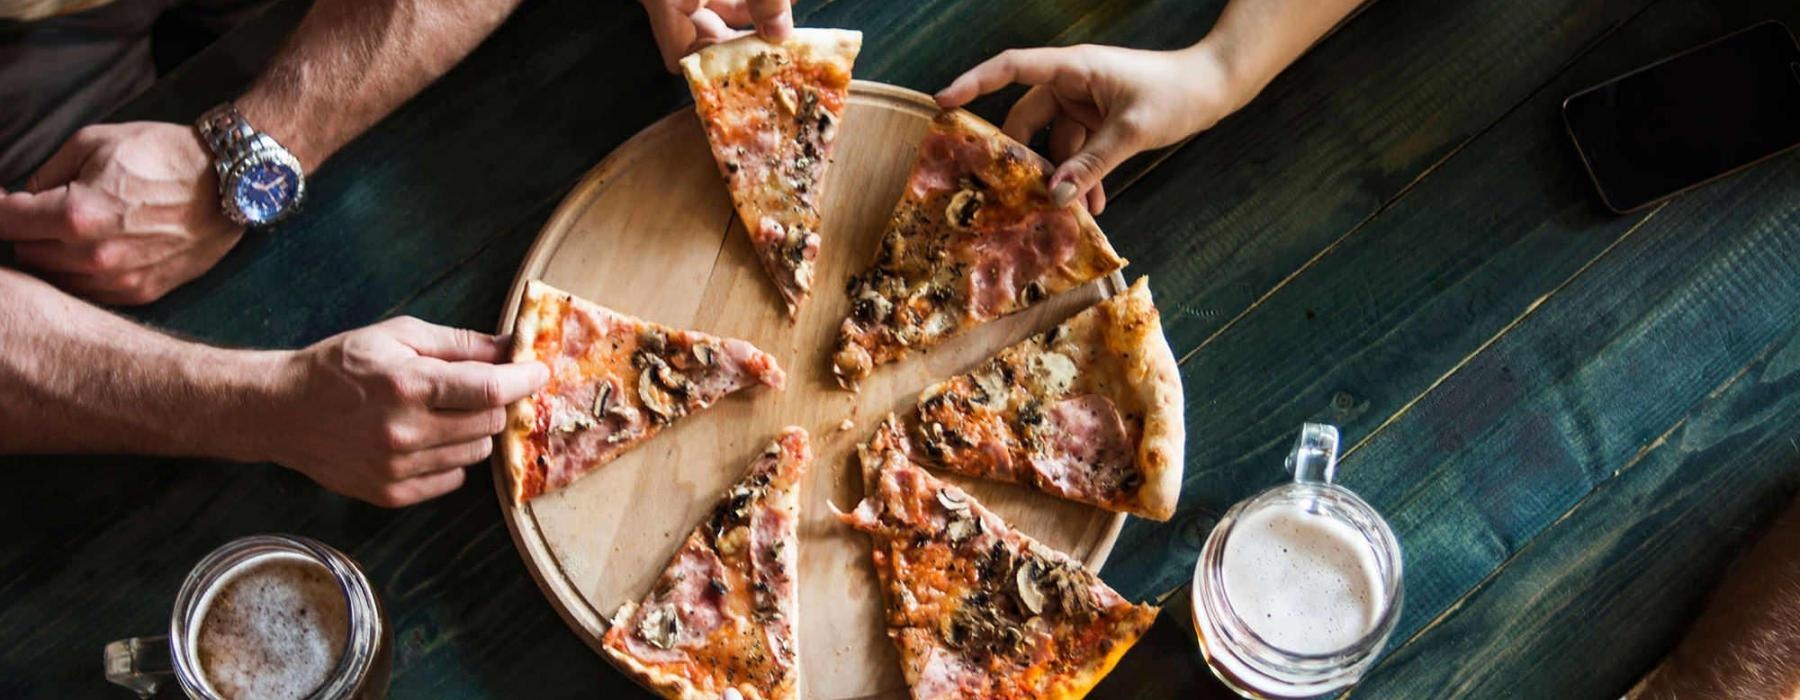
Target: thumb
(1105, 150)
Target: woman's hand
(685, 26)
(1102, 104)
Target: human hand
(1102, 104)
(122, 213)
(391, 413)
(685, 26)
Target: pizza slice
(977, 609)
(1089, 410)
(720, 621)
(974, 237)
(615, 381)
(771, 113)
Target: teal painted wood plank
(1341, 133)
(1595, 600)
(1375, 322)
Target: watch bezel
(262, 151)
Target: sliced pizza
(974, 237)
(1089, 410)
(771, 112)
(720, 621)
(977, 609)
(615, 380)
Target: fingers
(452, 427)
(711, 29)
(1104, 150)
(426, 487)
(25, 216)
(64, 165)
(774, 19)
(478, 385)
(1067, 136)
(1027, 66)
(446, 343)
(1030, 114)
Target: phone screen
(1690, 118)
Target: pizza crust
(521, 415)
(1154, 380)
(805, 45)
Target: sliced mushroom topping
(1033, 292)
(790, 103)
(663, 407)
(660, 626)
(706, 354)
(828, 125)
(963, 206)
(576, 424)
(603, 399)
(652, 341)
(952, 500)
(1030, 595)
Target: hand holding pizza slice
(974, 237)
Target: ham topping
(1089, 451)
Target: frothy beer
(274, 629)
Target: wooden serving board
(650, 232)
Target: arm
(1104, 104)
(124, 213)
(387, 413)
(352, 62)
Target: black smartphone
(1691, 118)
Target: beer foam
(1306, 583)
(273, 629)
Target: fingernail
(1062, 192)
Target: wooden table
(1572, 419)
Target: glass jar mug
(266, 616)
(1297, 588)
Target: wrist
(256, 390)
(1223, 80)
(265, 114)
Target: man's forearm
(75, 378)
(351, 62)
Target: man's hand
(685, 26)
(1102, 104)
(391, 413)
(122, 213)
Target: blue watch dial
(266, 190)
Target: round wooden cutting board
(650, 232)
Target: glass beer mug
(266, 615)
(1297, 588)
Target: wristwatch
(260, 182)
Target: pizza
(614, 382)
(974, 237)
(771, 113)
(1089, 410)
(719, 622)
(977, 609)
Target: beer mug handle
(1314, 457)
(142, 664)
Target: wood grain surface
(1572, 418)
(650, 232)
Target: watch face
(265, 190)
